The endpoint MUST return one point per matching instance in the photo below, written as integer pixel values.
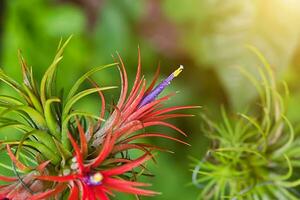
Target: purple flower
(159, 88)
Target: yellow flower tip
(178, 71)
(97, 177)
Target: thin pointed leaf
(79, 96)
(75, 87)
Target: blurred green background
(207, 36)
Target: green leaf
(288, 143)
(65, 139)
(43, 149)
(50, 118)
(65, 154)
(41, 137)
(47, 80)
(80, 95)
(84, 77)
(8, 167)
(290, 169)
(35, 101)
(47, 153)
(10, 100)
(16, 125)
(13, 84)
(32, 114)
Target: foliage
(207, 37)
(50, 129)
(252, 157)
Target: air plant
(252, 156)
(72, 154)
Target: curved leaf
(80, 95)
(50, 118)
(34, 115)
(86, 76)
(47, 79)
(42, 137)
(34, 100)
(10, 100)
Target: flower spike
(158, 89)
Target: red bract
(97, 184)
(22, 186)
(139, 109)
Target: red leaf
(133, 95)
(74, 192)
(101, 195)
(58, 178)
(137, 80)
(106, 150)
(84, 194)
(117, 160)
(170, 109)
(7, 178)
(103, 104)
(89, 193)
(83, 142)
(19, 165)
(124, 83)
(140, 111)
(42, 166)
(117, 116)
(131, 108)
(143, 135)
(124, 147)
(77, 153)
(166, 116)
(156, 75)
(128, 128)
(126, 167)
(111, 181)
(127, 187)
(152, 147)
(149, 111)
(155, 123)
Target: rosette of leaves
(252, 156)
(66, 153)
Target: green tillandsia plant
(40, 114)
(64, 153)
(252, 157)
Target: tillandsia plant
(64, 153)
(252, 156)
